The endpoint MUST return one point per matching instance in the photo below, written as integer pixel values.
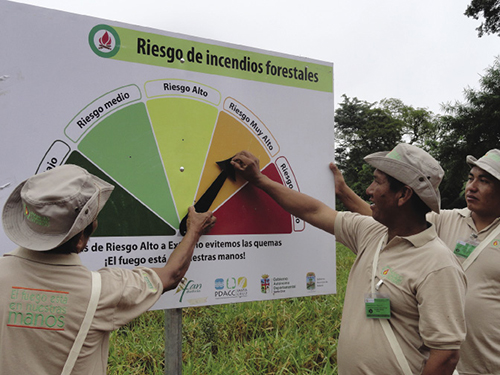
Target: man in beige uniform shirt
(463, 230)
(45, 289)
(403, 311)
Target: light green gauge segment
(123, 146)
(183, 129)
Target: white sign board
(152, 113)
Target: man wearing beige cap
(403, 310)
(473, 233)
(55, 314)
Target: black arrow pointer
(208, 196)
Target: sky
(423, 52)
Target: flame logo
(385, 272)
(105, 41)
(495, 243)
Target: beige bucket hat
(490, 162)
(49, 208)
(413, 167)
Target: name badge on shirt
(464, 248)
(377, 306)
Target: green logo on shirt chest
(392, 276)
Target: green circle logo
(104, 41)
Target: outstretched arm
(347, 196)
(298, 204)
(180, 259)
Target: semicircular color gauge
(162, 153)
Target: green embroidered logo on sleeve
(148, 282)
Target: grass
(288, 336)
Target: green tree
(362, 128)
(419, 124)
(490, 11)
(469, 128)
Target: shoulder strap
(82, 334)
(389, 333)
(396, 348)
(472, 257)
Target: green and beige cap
(413, 167)
(490, 162)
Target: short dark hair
(418, 204)
(69, 246)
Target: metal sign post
(173, 341)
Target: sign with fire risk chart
(159, 115)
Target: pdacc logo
(231, 287)
(104, 41)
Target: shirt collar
(419, 239)
(46, 258)
(467, 214)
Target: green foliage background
(489, 12)
(471, 127)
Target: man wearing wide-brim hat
(56, 314)
(404, 306)
(473, 233)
